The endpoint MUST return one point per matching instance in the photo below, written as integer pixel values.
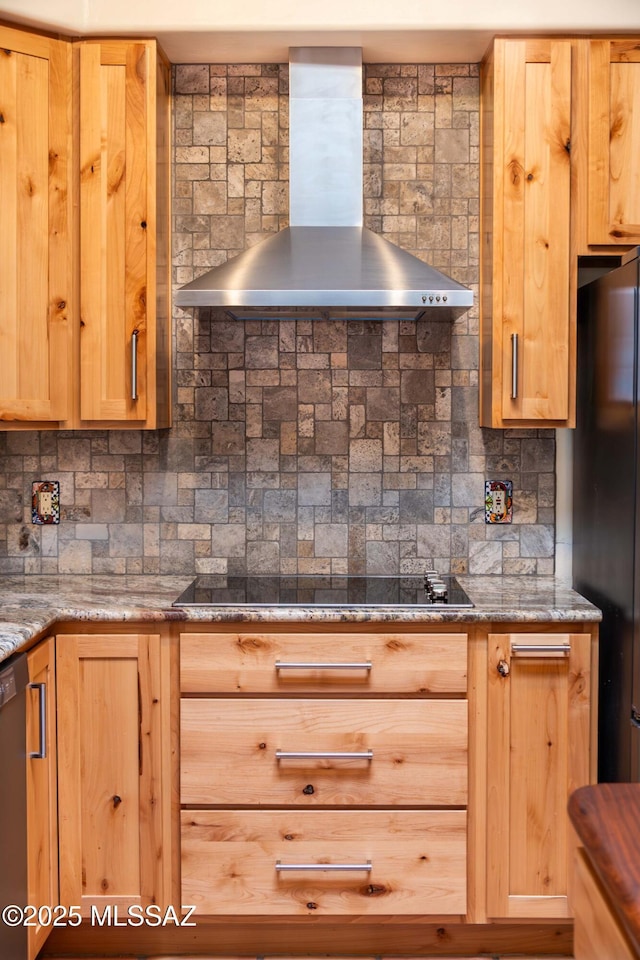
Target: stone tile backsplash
(302, 446)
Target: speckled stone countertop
(32, 604)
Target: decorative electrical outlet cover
(45, 501)
(498, 501)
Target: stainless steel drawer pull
(514, 366)
(545, 649)
(134, 364)
(292, 665)
(41, 754)
(324, 755)
(367, 867)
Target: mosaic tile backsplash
(302, 446)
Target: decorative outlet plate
(498, 501)
(45, 501)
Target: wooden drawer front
(418, 862)
(247, 663)
(228, 752)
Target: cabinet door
(538, 752)
(117, 226)
(35, 239)
(42, 807)
(527, 322)
(614, 142)
(109, 760)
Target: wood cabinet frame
(42, 789)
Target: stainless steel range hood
(326, 264)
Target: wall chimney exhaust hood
(326, 264)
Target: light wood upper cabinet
(528, 281)
(42, 796)
(614, 142)
(538, 751)
(84, 265)
(36, 295)
(113, 847)
(122, 330)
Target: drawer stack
(324, 773)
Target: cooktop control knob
(439, 592)
(435, 587)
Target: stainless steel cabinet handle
(323, 755)
(368, 866)
(134, 364)
(546, 649)
(514, 366)
(41, 754)
(291, 665)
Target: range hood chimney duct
(326, 263)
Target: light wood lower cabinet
(110, 782)
(598, 932)
(538, 751)
(42, 806)
(383, 723)
(301, 863)
(447, 830)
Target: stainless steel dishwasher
(14, 680)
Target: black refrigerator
(606, 503)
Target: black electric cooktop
(303, 591)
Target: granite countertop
(30, 605)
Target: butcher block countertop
(606, 817)
(31, 605)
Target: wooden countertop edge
(606, 817)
